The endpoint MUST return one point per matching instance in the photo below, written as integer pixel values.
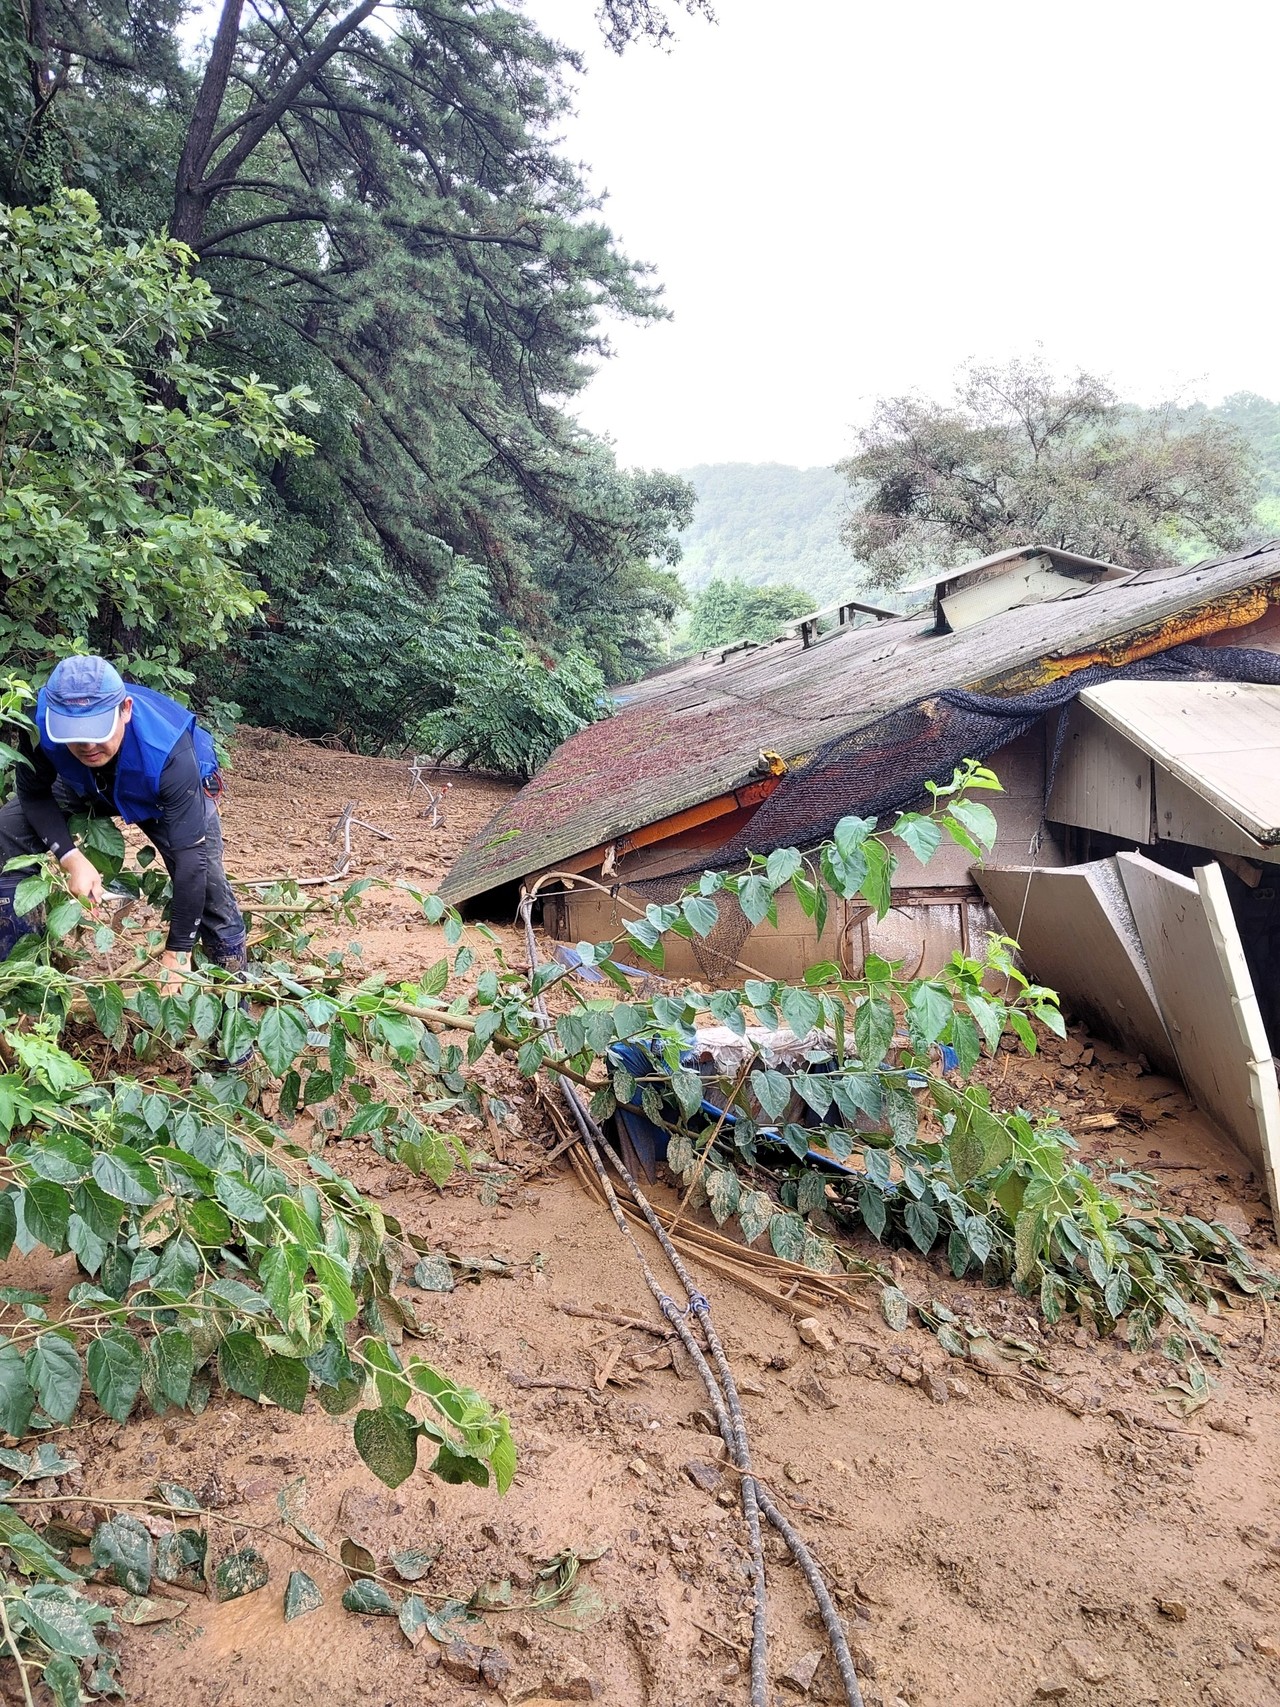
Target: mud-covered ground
(1051, 1528)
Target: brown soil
(1049, 1530)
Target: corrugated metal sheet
(698, 731)
(1222, 739)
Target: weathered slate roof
(690, 734)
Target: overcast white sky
(851, 197)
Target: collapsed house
(1133, 719)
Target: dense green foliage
(764, 523)
(1020, 455)
(509, 710)
(725, 612)
(216, 1247)
(124, 519)
(385, 220)
(869, 1132)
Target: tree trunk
(191, 195)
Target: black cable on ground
(720, 1386)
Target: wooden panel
(1183, 816)
(1103, 781)
(1220, 738)
(922, 934)
(1078, 936)
(1019, 814)
(1207, 998)
(1030, 583)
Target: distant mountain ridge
(766, 522)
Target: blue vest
(157, 725)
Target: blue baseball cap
(82, 700)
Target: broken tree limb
(719, 1383)
(617, 1321)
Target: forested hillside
(763, 523)
(1258, 419)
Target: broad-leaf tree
(1020, 456)
(124, 519)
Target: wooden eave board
(1206, 996)
(1078, 936)
(1184, 816)
(1222, 739)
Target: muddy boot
(232, 957)
(14, 925)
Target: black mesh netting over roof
(884, 766)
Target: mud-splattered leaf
(341, 1396)
(177, 1497)
(724, 1192)
(414, 1619)
(414, 1563)
(242, 1364)
(115, 1362)
(433, 1274)
(896, 1306)
(175, 1364)
(57, 1616)
(180, 1558)
(786, 1235)
(492, 1596)
(369, 1597)
(387, 1440)
(139, 1610)
(241, 1573)
(286, 1500)
(55, 1371)
(301, 1596)
(286, 1382)
(450, 1621)
(124, 1547)
(755, 1211)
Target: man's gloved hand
(83, 877)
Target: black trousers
(221, 926)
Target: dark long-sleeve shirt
(178, 830)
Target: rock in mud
(462, 1660)
(703, 1475)
(579, 1687)
(495, 1668)
(1087, 1661)
(814, 1331)
(799, 1675)
(1233, 1218)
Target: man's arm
(34, 787)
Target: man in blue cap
(114, 749)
